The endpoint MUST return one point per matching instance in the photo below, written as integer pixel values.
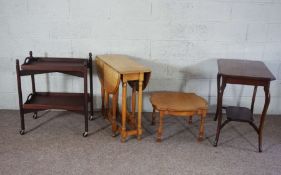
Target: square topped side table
(244, 72)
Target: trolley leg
(20, 98)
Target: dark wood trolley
(244, 72)
(38, 101)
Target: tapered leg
(218, 93)
(124, 111)
(202, 130)
(140, 109)
(219, 112)
(266, 104)
(160, 127)
(153, 117)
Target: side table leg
(219, 112)
(124, 111)
(266, 104)
(218, 93)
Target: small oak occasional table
(178, 104)
(113, 69)
(244, 72)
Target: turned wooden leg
(153, 117)
(134, 101)
(140, 109)
(202, 130)
(160, 127)
(124, 111)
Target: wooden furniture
(111, 70)
(178, 104)
(242, 72)
(38, 101)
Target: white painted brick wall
(179, 39)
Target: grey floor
(54, 144)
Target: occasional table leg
(124, 111)
(160, 127)
(140, 109)
(190, 120)
(201, 132)
(153, 117)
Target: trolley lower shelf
(55, 100)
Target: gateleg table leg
(114, 113)
(140, 109)
(124, 111)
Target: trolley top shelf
(55, 64)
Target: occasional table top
(178, 101)
(123, 64)
(244, 69)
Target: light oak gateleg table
(113, 69)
